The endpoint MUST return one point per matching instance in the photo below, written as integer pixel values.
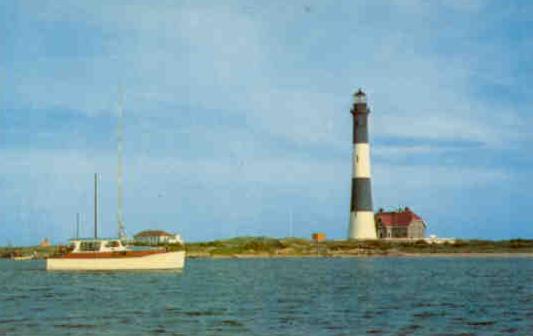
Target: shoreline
(266, 247)
(343, 256)
(350, 256)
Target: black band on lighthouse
(361, 194)
(360, 134)
(360, 124)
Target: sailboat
(107, 254)
(102, 254)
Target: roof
(359, 93)
(397, 218)
(153, 233)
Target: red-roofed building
(402, 223)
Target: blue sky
(237, 114)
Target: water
(359, 296)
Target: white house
(155, 237)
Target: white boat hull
(159, 261)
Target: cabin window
(90, 246)
(113, 243)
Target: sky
(236, 115)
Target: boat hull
(158, 261)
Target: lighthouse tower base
(362, 225)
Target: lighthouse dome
(359, 97)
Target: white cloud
(220, 57)
(398, 152)
(402, 178)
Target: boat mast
(120, 191)
(95, 205)
(77, 225)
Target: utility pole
(77, 225)
(120, 174)
(95, 205)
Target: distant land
(265, 247)
(296, 247)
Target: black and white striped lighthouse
(361, 214)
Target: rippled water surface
(357, 296)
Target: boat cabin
(96, 245)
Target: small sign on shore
(318, 236)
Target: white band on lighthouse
(361, 160)
(361, 228)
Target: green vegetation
(234, 246)
(264, 246)
(289, 247)
(37, 251)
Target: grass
(7, 252)
(301, 247)
(239, 245)
(266, 246)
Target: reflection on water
(374, 296)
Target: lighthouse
(362, 224)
